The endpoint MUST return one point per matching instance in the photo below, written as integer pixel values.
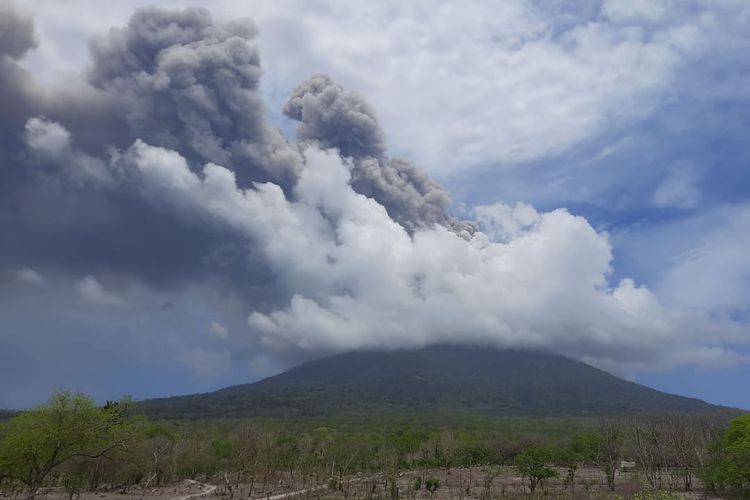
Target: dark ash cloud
(334, 117)
(337, 118)
(189, 83)
(17, 35)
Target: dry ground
(455, 484)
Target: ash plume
(334, 117)
(161, 172)
(190, 83)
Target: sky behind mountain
(195, 198)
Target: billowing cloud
(17, 37)
(335, 118)
(17, 33)
(359, 280)
(190, 83)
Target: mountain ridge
(437, 378)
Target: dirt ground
(455, 484)
(474, 483)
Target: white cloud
(713, 272)
(218, 330)
(90, 290)
(679, 189)
(358, 280)
(29, 276)
(459, 86)
(48, 138)
(504, 223)
(456, 85)
(207, 363)
(635, 10)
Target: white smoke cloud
(358, 280)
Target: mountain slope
(434, 378)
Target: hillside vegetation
(442, 378)
(69, 446)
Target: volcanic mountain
(439, 378)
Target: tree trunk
(32, 491)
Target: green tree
(731, 466)
(432, 485)
(532, 463)
(588, 446)
(36, 442)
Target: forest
(71, 448)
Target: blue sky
(633, 115)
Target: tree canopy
(731, 468)
(37, 441)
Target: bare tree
(649, 440)
(490, 471)
(159, 448)
(685, 441)
(613, 437)
(244, 463)
(445, 451)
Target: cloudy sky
(197, 195)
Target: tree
(74, 476)
(531, 464)
(491, 471)
(688, 438)
(156, 443)
(36, 442)
(244, 455)
(588, 446)
(731, 468)
(445, 450)
(612, 438)
(432, 485)
(650, 441)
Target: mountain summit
(471, 379)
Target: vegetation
(533, 464)
(611, 438)
(432, 485)
(41, 440)
(729, 468)
(458, 379)
(73, 446)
